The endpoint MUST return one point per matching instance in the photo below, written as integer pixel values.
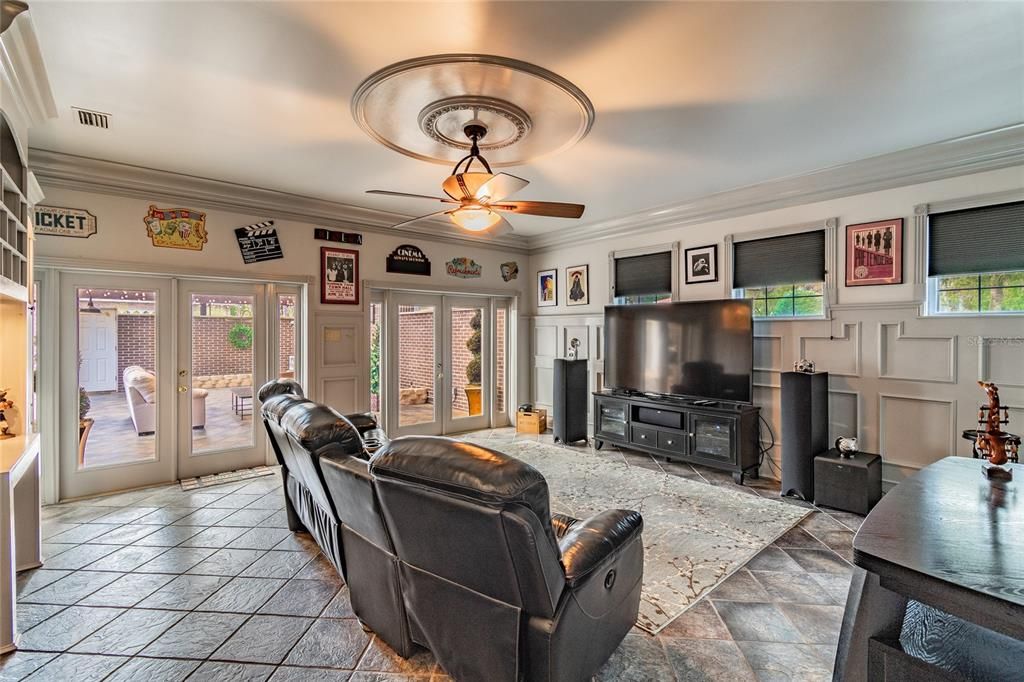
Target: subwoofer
(804, 430)
(570, 400)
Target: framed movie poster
(701, 264)
(339, 275)
(578, 282)
(874, 253)
(547, 288)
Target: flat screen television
(701, 350)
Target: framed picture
(874, 253)
(339, 275)
(701, 264)
(547, 288)
(577, 281)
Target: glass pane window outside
(376, 311)
(416, 365)
(466, 361)
(790, 300)
(117, 382)
(500, 357)
(665, 297)
(221, 408)
(993, 292)
(286, 336)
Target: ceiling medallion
(444, 121)
(419, 108)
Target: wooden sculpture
(994, 443)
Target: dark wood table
(938, 592)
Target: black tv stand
(716, 434)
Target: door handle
(182, 388)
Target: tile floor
(166, 585)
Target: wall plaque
(176, 228)
(337, 236)
(465, 268)
(64, 222)
(258, 242)
(408, 260)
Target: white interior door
(222, 361)
(115, 434)
(97, 348)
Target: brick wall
(287, 343)
(212, 353)
(136, 343)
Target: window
(992, 292)
(644, 278)
(975, 264)
(788, 300)
(784, 276)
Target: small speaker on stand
(804, 430)
(569, 401)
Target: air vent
(95, 119)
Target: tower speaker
(804, 430)
(569, 406)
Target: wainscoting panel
(915, 432)
(1000, 360)
(907, 357)
(838, 354)
(843, 414)
(338, 346)
(341, 394)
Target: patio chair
(140, 392)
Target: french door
(158, 376)
(443, 365)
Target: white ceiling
(691, 98)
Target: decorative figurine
(803, 365)
(847, 446)
(993, 443)
(5, 404)
(574, 348)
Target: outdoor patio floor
(409, 415)
(113, 439)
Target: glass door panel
(219, 370)
(468, 360)
(287, 339)
(376, 353)
(417, 324)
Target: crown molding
(25, 95)
(990, 150)
(68, 171)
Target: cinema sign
(64, 222)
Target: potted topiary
(84, 423)
(472, 387)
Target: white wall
(121, 239)
(904, 384)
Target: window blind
(650, 273)
(790, 259)
(975, 240)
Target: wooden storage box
(532, 422)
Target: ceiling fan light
(475, 218)
(464, 185)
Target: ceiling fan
(480, 195)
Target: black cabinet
(723, 435)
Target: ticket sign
(64, 222)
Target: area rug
(695, 535)
(226, 477)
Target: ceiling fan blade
(501, 227)
(500, 186)
(422, 217)
(408, 195)
(552, 209)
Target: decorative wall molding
(985, 345)
(27, 97)
(901, 335)
(985, 151)
(855, 338)
(858, 417)
(67, 171)
(893, 457)
(777, 371)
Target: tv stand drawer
(666, 418)
(644, 436)
(672, 442)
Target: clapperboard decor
(408, 260)
(336, 236)
(258, 242)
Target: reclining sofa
(452, 546)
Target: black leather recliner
(496, 587)
(320, 451)
(301, 431)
